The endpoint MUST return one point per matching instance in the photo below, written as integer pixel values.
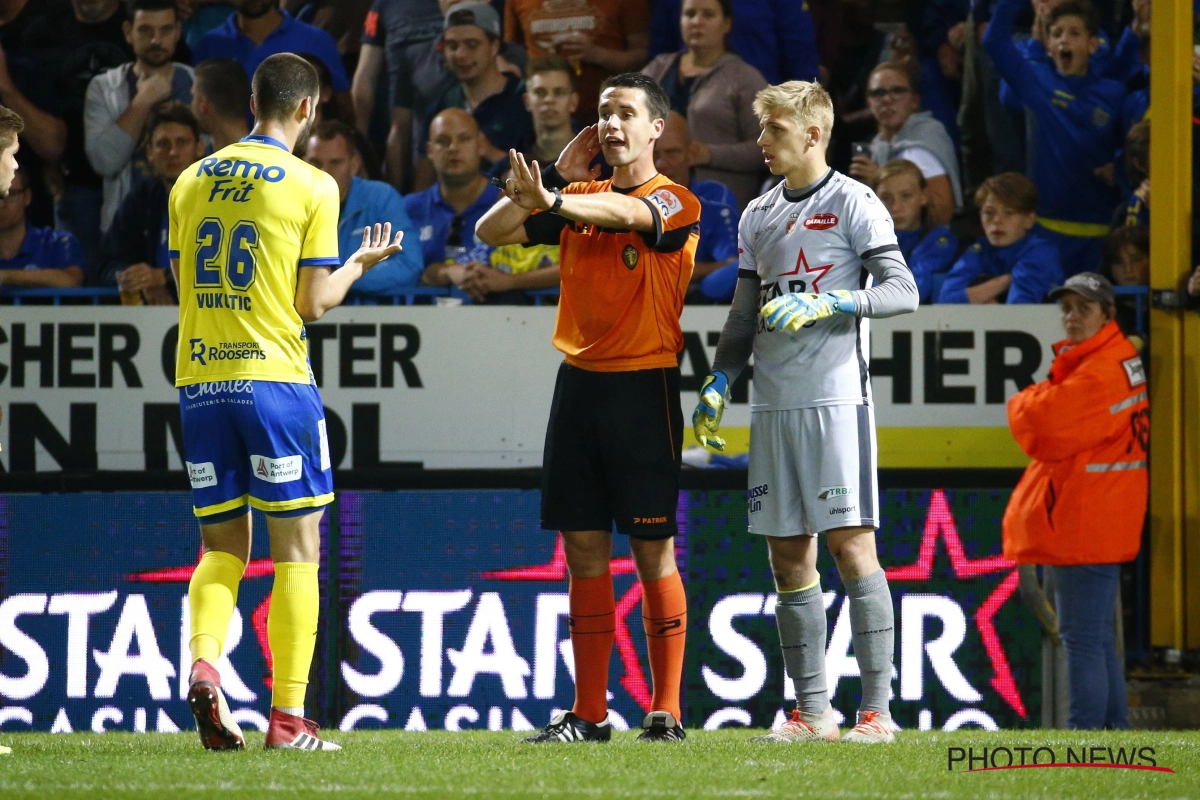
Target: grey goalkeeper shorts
(812, 470)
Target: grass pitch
(482, 764)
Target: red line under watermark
(1093, 766)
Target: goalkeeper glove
(706, 419)
(791, 312)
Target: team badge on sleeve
(667, 203)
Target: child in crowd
(1077, 127)
(927, 248)
(1013, 262)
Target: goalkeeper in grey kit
(818, 260)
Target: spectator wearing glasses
(445, 214)
(133, 252)
(34, 257)
(119, 101)
(220, 100)
(913, 135)
(1014, 262)
(714, 89)
(331, 149)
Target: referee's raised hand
(573, 163)
(525, 186)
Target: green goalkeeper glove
(706, 419)
(791, 312)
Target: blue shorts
(257, 443)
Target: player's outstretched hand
(573, 163)
(791, 312)
(377, 245)
(706, 419)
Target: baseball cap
(1090, 285)
(481, 15)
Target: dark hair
(132, 7)
(328, 129)
(1137, 152)
(224, 83)
(11, 124)
(324, 76)
(542, 64)
(1125, 236)
(169, 112)
(657, 102)
(281, 83)
(465, 16)
(1011, 189)
(1076, 8)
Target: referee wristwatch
(558, 200)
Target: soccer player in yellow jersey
(253, 246)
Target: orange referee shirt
(623, 290)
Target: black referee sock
(800, 618)
(873, 633)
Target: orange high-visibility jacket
(1087, 428)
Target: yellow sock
(292, 630)
(212, 594)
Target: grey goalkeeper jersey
(835, 234)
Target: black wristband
(551, 179)
(558, 200)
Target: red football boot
(289, 732)
(216, 726)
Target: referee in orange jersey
(614, 440)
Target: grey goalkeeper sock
(800, 617)
(872, 628)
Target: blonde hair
(806, 103)
(901, 166)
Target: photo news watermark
(986, 759)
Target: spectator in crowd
(118, 101)
(714, 89)
(45, 133)
(397, 33)
(220, 100)
(551, 99)
(1131, 57)
(259, 29)
(1081, 505)
(201, 16)
(34, 257)
(417, 74)
(445, 214)
(133, 252)
(1136, 209)
(331, 148)
(937, 81)
(718, 211)
(471, 41)
(599, 39)
(928, 249)
(1013, 262)
(910, 134)
(69, 48)
(777, 39)
(1127, 254)
(1076, 119)
(343, 19)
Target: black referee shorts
(613, 452)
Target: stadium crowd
(1009, 142)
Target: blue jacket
(292, 36)
(433, 217)
(714, 192)
(1077, 124)
(367, 203)
(926, 254)
(777, 37)
(1032, 261)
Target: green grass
(481, 764)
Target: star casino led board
(448, 609)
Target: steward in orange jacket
(1087, 427)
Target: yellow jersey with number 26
(243, 221)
